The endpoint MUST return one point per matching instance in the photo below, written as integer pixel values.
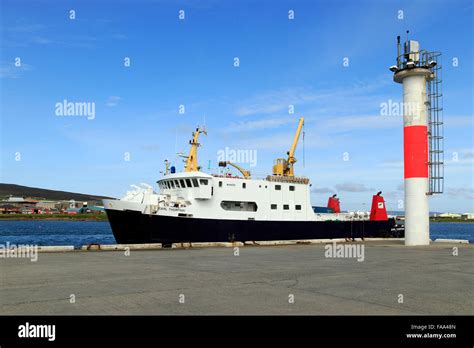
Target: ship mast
(191, 161)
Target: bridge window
(172, 184)
(239, 206)
(286, 207)
(188, 183)
(177, 183)
(273, 206)
(203, 181)
(278, 187)
(183, 185)
(195, 183)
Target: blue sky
(190, 62)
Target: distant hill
(7, 190)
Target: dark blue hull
(134, 227)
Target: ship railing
(272, 178)
(230, 176)
(418, 59)
(288, 179)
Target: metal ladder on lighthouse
(435, 125)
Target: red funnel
(378, 211)
(333, 203)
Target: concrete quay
(283, 279)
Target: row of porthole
(231, 205)
(285, 206)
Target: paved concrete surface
(258, 281)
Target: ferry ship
(193, 206)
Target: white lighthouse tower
(418, 71)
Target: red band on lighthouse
(416, 151)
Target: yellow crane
(282, 166)
(191, 160)
(244, 172)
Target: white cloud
(27, 28)
(10, 71)
(112, 101)
(280, 142)
(120, 37)
(466, 153)
(42, 40)
(322, 190)
(278, 100)
(37, 34)
(392, 195)
(317, 124)
(348, 123)
(259, 124)
(458, 120)
(353, 187)
(463, 192)
(391, 164)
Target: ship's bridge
(197, 185)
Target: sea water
(79, 233)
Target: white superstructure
(200, 195)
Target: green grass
(66, 217)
